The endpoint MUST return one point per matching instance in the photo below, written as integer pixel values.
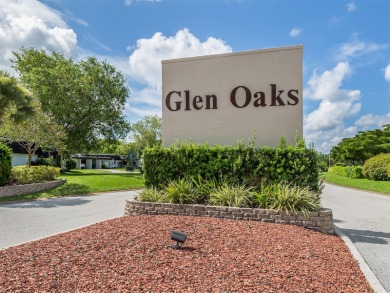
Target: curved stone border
(12, 190)
(321, 221)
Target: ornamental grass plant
(276, 196)
(152, 195)
(237, 195)
(182, 191)
(291, 198)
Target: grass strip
(364, 184)
(84, 182)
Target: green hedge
(5, 164)
(33, 174)
(240, 164)
(338, 170)
(354, 172)
(377, 168)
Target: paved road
(27, 221)
(365, 218)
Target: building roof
(18, 149)
(97, 156)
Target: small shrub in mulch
(130, 254)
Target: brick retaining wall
(29, 188)
(321, 221)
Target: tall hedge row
(239, 163)
(5, 164)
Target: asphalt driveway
(364, 217)
(26, 221)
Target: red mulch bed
(130, 254)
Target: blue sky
(346, 47)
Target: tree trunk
(57, 158)
(29, 159)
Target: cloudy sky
(346, 47)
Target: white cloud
(30, 23)
(145, 61)
(295, 32)
(351, 7)
(357, 48)
(387, 72)
(373, 120)
(324, 140)
(326, 86)
(325, 124)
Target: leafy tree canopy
(86, 97)
(147, 132)
(38, 130)
(364, 145)
(13, 95)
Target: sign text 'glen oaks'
(182, 100)
(226, 98)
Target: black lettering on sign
(233, 97)
(276, 98)
(212, 98)
(293, 97)
(168, 101)
(259, 99)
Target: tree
(364, 145)
(147, 132)
(34, 132)
(86, 97)
(13, 95)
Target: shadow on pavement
(366, 236)
(48, 203)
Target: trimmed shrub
(338, 170)
(44, 162)
(377, 168)
(5, 164)
(238, 164)
(70, 164)
(33, 174)
(354, 172)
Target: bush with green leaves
(5, 164)
(377, 168)
(70, 164)
(33, 174)
(338, 170)
(354, 172)
(45, 162)
(239, 163)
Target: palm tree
(14, 96)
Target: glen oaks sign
(223, 99)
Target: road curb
(364, 267)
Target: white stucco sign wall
(221, 99)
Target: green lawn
(370, 185)
(87, 181)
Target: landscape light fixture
(177, 237)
